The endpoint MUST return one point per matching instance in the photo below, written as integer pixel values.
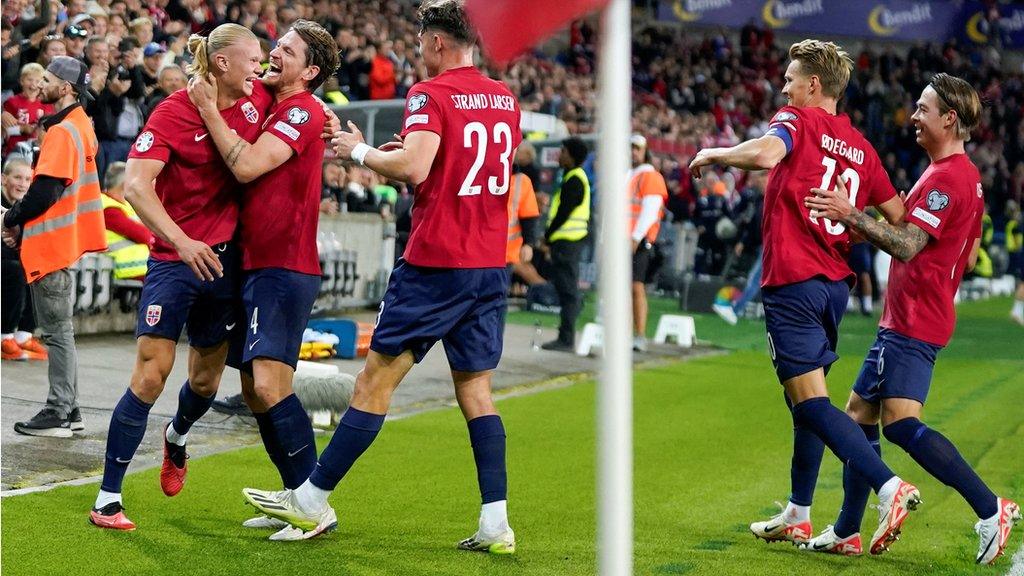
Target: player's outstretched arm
(247, 162)
(758, 154)
(409, 163)
(902, 240)
(139, 175)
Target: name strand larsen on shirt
(482, 101)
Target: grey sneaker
(75, 420)
(46, 423)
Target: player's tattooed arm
(902, 241)
(231, 158)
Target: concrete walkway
(105, 364)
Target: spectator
(169, 80)
(97, 57)
(382, 74)
(358, 196)
(128, 239)
(18, 320)
(75, 38)
(117, 112)
(568, 220)
(21, 112)
(142, 29)
(152, 60)
(333, 195)
(748, 242)
(50, 48)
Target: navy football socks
(191, 407)
(808, 450)
(296, 446)
(856, 490)
(487, 435)
(940, 458)
(127, 427)
(266, 427)
(842, 435)
(354, 435)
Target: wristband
(359, 152)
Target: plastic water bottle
(535, 342)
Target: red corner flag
(509, 27)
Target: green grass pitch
(712, 443)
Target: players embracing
(281, 176)
(460, 134)
(931, 250)
(806, 279)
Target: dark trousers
(565, 276)
(17, 300)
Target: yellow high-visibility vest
(575, 227)
(130, 258)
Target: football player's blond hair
(203, 47)
(957, 95)
(826, 60)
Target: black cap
(73, 71)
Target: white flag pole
(615, 386)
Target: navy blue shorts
(173, 297)
(464, 308)
(896, 366)
(277, 304)
(803, 324)
(860, 258)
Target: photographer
(118, 110)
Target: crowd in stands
(691, 90)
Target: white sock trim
(21, 336)
(797, 513)
(104, 498)
(887, 489)
(494, 517)
(310, 498)
(173, 437)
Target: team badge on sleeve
(153, 312)
(417, 101)
(251, 113)
(784, 117)
(144, 141)
(937, 200)
(297, 115)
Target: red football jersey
(460, 212)
(280, 209)
(947, 203)
(824, 147)
(195, 186)
(26, 112)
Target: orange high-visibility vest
(522, 203)
(644, 180)
(74, 224)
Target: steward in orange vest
(61, 215)
(59, 219)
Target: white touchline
(1017, 563)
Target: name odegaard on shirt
(842, 149)
(483, 101)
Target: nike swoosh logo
(770, 529)
(820, 546)
(200, 137)
(120, 461)
(230, 326)
(290, 454)
(250, 348)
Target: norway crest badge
(251, 114)
(153, 314)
